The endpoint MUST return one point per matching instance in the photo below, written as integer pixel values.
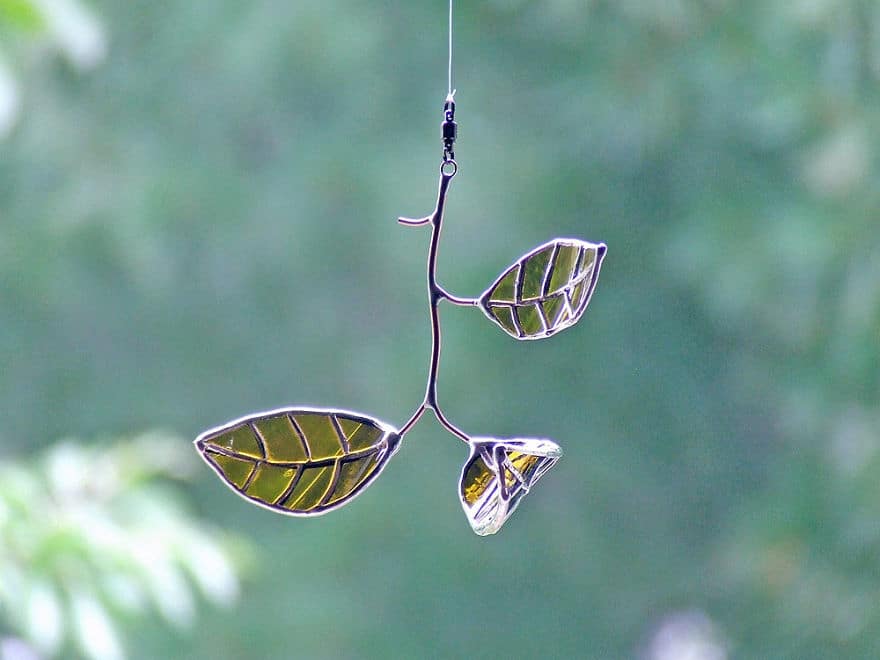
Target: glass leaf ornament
(307, 461)
(545, 291)
(498, 474)
(299, 461)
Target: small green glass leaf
(497, 475)
(299, 461)
(546, 290)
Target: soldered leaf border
(299, 461)
(546, 290)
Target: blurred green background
(197, 221)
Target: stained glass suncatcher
(307, 461)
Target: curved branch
(455, 300)
(436, 293)
(416, 416)
(449, 426)
(414, 222)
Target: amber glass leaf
(299, 461)
(547, 290)
(498, 474)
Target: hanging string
(450, 92)
(450, 128)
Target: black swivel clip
(450, 128)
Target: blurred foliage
(204, 227)
(32, 29)
(91, 538)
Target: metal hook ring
(448, 168)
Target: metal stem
(436, 293)
(455, 300)
(416, 416)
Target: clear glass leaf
(299, 461)
(498, 474)
(545, 291)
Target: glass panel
(270, 482)
(543, 467)
(283, 444)
(310, 490)
(504, 290)
(488, 511)
(510, 479)
(516, 494)
(587, 261)
(504, 316)
(477, 477)
(320, 435)
(526, 464)
(240, 440)
(236, 470)
(552, 307)
(563, 267)
(535, 270)
(360, 436)
(530, 319)
(578, 294)
(564, 318)
(352, 475)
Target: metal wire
(449, 91)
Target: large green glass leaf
(498, 474)
(299, 461)
(547, 290)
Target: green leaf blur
(94, 538)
